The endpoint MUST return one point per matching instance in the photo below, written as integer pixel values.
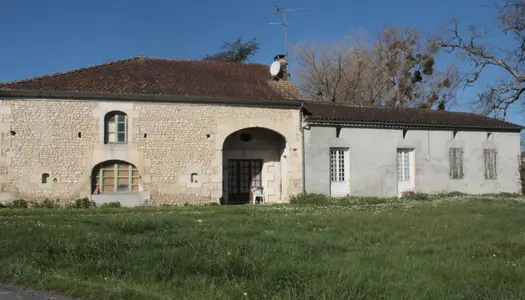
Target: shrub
(311, 199)
(111, 205)
(82, 203)
(416, 196)
(46, 204)
(20, 203)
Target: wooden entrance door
(243, 175)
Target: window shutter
(451, 162)
(461, 163)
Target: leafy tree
(500, 96)
(398, 70)
(238, 51)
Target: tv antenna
(284, 23)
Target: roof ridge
(73, 71)
(136, 58)
(199, 61)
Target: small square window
(45, 178)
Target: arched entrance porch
(254, 157)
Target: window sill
(116, 146)
(116, 193)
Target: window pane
(121, 127)
(111, 127)
(123, 187)
(108, 188)
(121, 137)
(108, 173)
(123, 172)
(111, 137)
(121, 118)
(111, 119)
(123, 180)
(123, 165)
(108, 181)
(135, 173)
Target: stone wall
(166, 142)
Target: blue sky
(43, 37)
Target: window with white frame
(490, 158)
(403, 165)
(115, 176)
(456, 163)
(337, 165)
(115, 127)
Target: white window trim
(404, 158)
(341, 172)
(115, 132)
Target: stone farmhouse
(153, 131)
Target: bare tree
(397, 70)
(500, 96)
(334, 72)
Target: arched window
(115, 128)
(115, 176)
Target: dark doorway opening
(243, 175)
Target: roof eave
(379, 124)
(88, 96)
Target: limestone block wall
(43, 137)
(183, 139)
(167, 142)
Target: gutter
(303, 155)
(151, 98)
(412, 125)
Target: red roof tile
(155, 76)
(326, 112)
(163, 77)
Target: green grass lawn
(427, 250)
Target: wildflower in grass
(228, 253)
(245, 294)
(494, 255)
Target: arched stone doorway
(253, 157)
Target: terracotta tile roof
(402, 116)
(158, 76)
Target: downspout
(303, 172)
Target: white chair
(258, 193)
